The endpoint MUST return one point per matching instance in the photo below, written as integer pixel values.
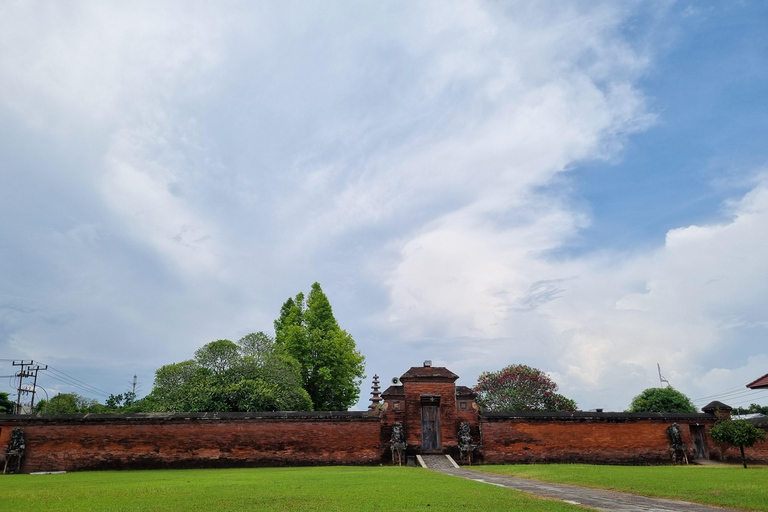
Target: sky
(577, 186)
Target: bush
(661, 400)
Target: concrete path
(609, 501)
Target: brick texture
(616, 439)
(184, 442)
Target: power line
(58, 375)
(751, 401)
(729, 391)
(734, 395)
(82, 385)
(56, 370)
(75, 383)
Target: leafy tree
(114, 402)
(739, 433)
(752, 409)
(125, 403)
(257, 345)
(252, 375)
(331, 366)
(217, 356)
(662, 400)
(520, 388)
(6, 406)
(69, 403)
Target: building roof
(429, 372)
(393, 391)
(716, 406)
(761, 383)
(464, 391)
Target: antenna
(662, 380)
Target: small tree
(6, 406)
(739, 433)
(752, 409)
(520, 388)
(662, 400)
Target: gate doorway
(699, 439)
(430, 423)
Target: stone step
(437, 462)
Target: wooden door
(699, 439)
(430, 428)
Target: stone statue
(465, 441)
(15, 452)
(676, 445)
(397, 443)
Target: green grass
(264, 489)
(725, 486)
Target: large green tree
(331, 365)
(739, 433)
(251, 375)
(69, 403)
(661, 400)
(520, 388)
(6, 406)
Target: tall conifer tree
(331, 366)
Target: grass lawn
(725, 486)
(264, 489)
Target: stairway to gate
(437, 462)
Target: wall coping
(596, 416)
(187, 416)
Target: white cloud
(229, 155)
(72, 65)
(600, 335)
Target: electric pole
(28, 370)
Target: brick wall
(757, 453)
(75, 442)
(608, 438)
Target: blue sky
(580, 187)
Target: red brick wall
(605, 438)
(756, 453)
(78, 443)
(272, 439)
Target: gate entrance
(430, 423)
(699, 438)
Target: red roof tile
(464, 391)
(426, 372)
(393, 391)
(761, 383)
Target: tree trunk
(743, 458)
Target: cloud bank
(172, 173)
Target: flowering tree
(520, 388)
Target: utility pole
(28, 370)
